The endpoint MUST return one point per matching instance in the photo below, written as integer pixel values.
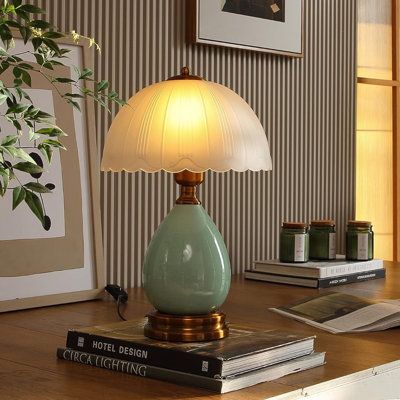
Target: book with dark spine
(228, 384)
(242, 350)
(315, 283)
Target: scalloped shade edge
(190, 125)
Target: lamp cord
(119, 302)
(119, 295)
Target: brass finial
(185, 71)
(185, 74)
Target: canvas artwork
(274, 26)
(60, 261)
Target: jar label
(299, 247)
(362, 246)
(332, 245)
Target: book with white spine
(317, 269)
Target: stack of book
(246, 357)
(316, 274)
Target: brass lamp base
(186, 328)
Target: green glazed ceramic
(187, 268)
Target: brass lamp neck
(188, 181)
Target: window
(377, 122)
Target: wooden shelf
(379, 82)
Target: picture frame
(215, 22)
(82, 276)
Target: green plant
(19, 161)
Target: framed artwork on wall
(272, 26)
(62, 263)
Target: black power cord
(118, 309)
(120, 296)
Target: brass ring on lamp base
(186, 328)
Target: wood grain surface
(30, 370)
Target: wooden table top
(30, 370)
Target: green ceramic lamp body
(187, 269)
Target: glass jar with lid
(359, 241)
(294, 242)
(322, 240)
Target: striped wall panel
(306, 106)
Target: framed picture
(273, 26)
(63, 263)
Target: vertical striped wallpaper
(306, 106)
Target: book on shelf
(242, 350)
(319, 283)
(318, 269)
(340, 312)
(221, 385)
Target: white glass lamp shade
(186, 124)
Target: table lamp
(186, 125)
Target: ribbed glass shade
(186, 124)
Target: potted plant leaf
(29, 122)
